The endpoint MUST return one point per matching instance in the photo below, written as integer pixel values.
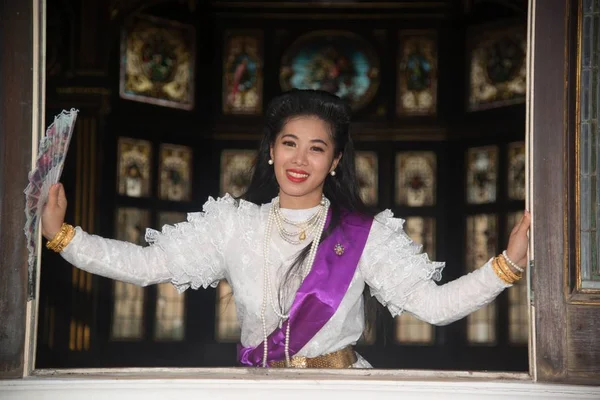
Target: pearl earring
(332, 173)
(270, 162)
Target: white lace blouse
(225, 241)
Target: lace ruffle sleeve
(393, 265)
(195, 250)
(403, 278)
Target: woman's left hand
(519, 241)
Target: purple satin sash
(321, 292)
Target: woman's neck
(300, 202)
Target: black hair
(342, 189)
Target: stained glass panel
(170, 305)
(175, 172)
(518, 313)
(131, 224)
(368, 175)
(339, 62)
(242, 73)
(236, 171)
(422, 231)
(482, 174)
(516, 171)
(482, 244)
(157, 64)
(228, 327)
(410, 329)
(170, 218)
(128, 311)
(128, 300)
(481, 240)
(170, 308)
(498, 67)
(518, 310)
(416, 178)
(134, 158)
(417, 73)
(589, 147)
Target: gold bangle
(62, 238)
(502, 272)
(507, 270)
(67, 235)
(499, 272)
(67, 239)
(57, 238)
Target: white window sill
(239, 383)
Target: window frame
(548, 352)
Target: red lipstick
(296, 175)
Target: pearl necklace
(306, 228)
(320, 218)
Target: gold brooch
(339, 249)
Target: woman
(297, 250)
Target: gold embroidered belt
(343, 358)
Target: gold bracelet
(57, 238)
(507, 270)
(62, 238)
(67, 239)
(501, 271)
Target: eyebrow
(291, 135)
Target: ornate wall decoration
(134, 159)
(128, 299)
(516, 171)
(170, 218)
(243, 73)
(236, 171)
(417, 73)
(157, 62)
(482, 244)
(367, 172)
(482, 174)
(169, 317)
(498, 67)
(227, 326)
(339, 62)
(416, 178)
(175, 172)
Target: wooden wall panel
(16, 93)
(549, 185)
(583, 326)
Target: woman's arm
(403, 278)
(444, 304)
(117, 260)
(113, 259)
(188, 254)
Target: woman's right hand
(53, 214)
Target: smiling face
(303, 155)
